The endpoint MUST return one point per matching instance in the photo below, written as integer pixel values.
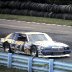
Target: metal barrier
(33, 64)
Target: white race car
(34, 43)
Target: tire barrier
(36, 6)
(18, 7)
(36, 13)
(58, 2)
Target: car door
(15, 43)
(20, 41)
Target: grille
(66, 48)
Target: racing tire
(34, 51)
(6, 45)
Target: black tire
(34, 51)
(6, 45)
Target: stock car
(34, 43)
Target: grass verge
(37, 19)
(5, 69)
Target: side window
(22, 37)
(15, 36)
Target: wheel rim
(34, 53)
(6, 48)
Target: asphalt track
(57, 32)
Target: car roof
(30, 32)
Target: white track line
(37, 23)
(13, 26)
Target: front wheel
(34, 51)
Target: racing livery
(34, 43)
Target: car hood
(50, 44)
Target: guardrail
(33, 64)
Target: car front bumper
(47, 56)
(55, 53)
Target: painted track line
(13, 26)
(38, 23)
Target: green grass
(5, 69)
(37, 19)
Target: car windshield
(37, 37)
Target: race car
(34, 43)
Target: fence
(33, 64)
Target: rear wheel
(34, 51)
(7, 47)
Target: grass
(5, 69)
(37, 19)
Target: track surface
(57, 32)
